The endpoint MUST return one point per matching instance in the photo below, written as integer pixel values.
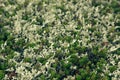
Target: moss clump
(42, 60)
(2, 74)
(112, 68)
(27, 59)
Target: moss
(93, 76)
(12, 2)
(45, 42)
(56, 45)
(92, 29)
(74, 59)
(67, 72)
(59, 54)
(1, 10)
(83, 73)
(42, 60)
(27, 59)
(102, 61)
(68, 38)
(112, 29)
(39, 20)
(4, 34)
(78, 27)
(19, 45)
(3, 64)
(25, 16)
(62, 7)
(98, 34)
(115, 6)
(2, 74)
(81, 49)
(53, 74)
(40, 31)
(11, 64)
(103, 53)
(110, 38)
(67, 65)
(112, 68)
(42, 77)
(31, 45)
(72, 50)
(106, 78)
(83, 61)
(78, 77)
(10, 56)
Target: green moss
(1, 10)
(68, 38)
(106, 78)
(39, 20)
(56, 45)
(67, 72)
(95, 51)
(40, 31)
(93, 76)
(92, 29)
(2, 74)
(45, 42)
(12, 2)
(74, 59)
(59, 54)
(112, 68)
(81, 49)
(17, 45)
(101, 62)
(83, 74)
(78, 27)
(31, 45)
(27, 59)
(71, 50)
(21, 42)
(103, 53)
(3, 65)
(98, 34)
(53, 73)
(10, 56)
(25, 17)
(112, 29)
(83, 61)
(54, 65)
(42, 77)
(4, 34)
(115, 6)
(62, 7)
(78, 77)
(42, 60)
(67, 65)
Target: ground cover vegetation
(59, 39)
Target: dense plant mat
(59, 39)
